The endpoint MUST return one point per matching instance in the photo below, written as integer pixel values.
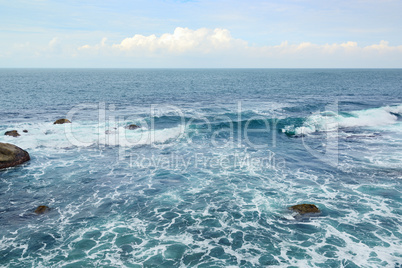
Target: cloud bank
(218, 48)
(184, 41)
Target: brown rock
(61, 121)
(132, 127)
(42, 209)
(13, 133)
(11, 155)
(305, 208)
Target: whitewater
(208, 177)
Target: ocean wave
(329, 121)
(87, 134)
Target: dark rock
(132, 127)
(109, 131)
(48, 132)
(11, 155)
(42, 209)
(61, 121)
(25, 131)
(305, 208)
(13, 133)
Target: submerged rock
(132, 127)
(305, 208)
(13, 133)
(42, 209)
(110, 131)
(11, 155)
(61, 121)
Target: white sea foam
(290, 188)
(330, 121)
(250, 194)
(86, 134)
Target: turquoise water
(208, 178)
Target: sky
(201, 34)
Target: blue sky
(174, 33)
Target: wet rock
(42, 209)
(61, 121)
(109, 131)
(11, 155)
(13, 133)
(25, 131)
(132, 127)
(305, 208)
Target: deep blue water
(208, 178)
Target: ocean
(207, 178)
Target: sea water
(207, 179)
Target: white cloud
(182, 40)
(54, 46)
(203, 48)
(383, 47)
(53, 42)
(102, 44)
